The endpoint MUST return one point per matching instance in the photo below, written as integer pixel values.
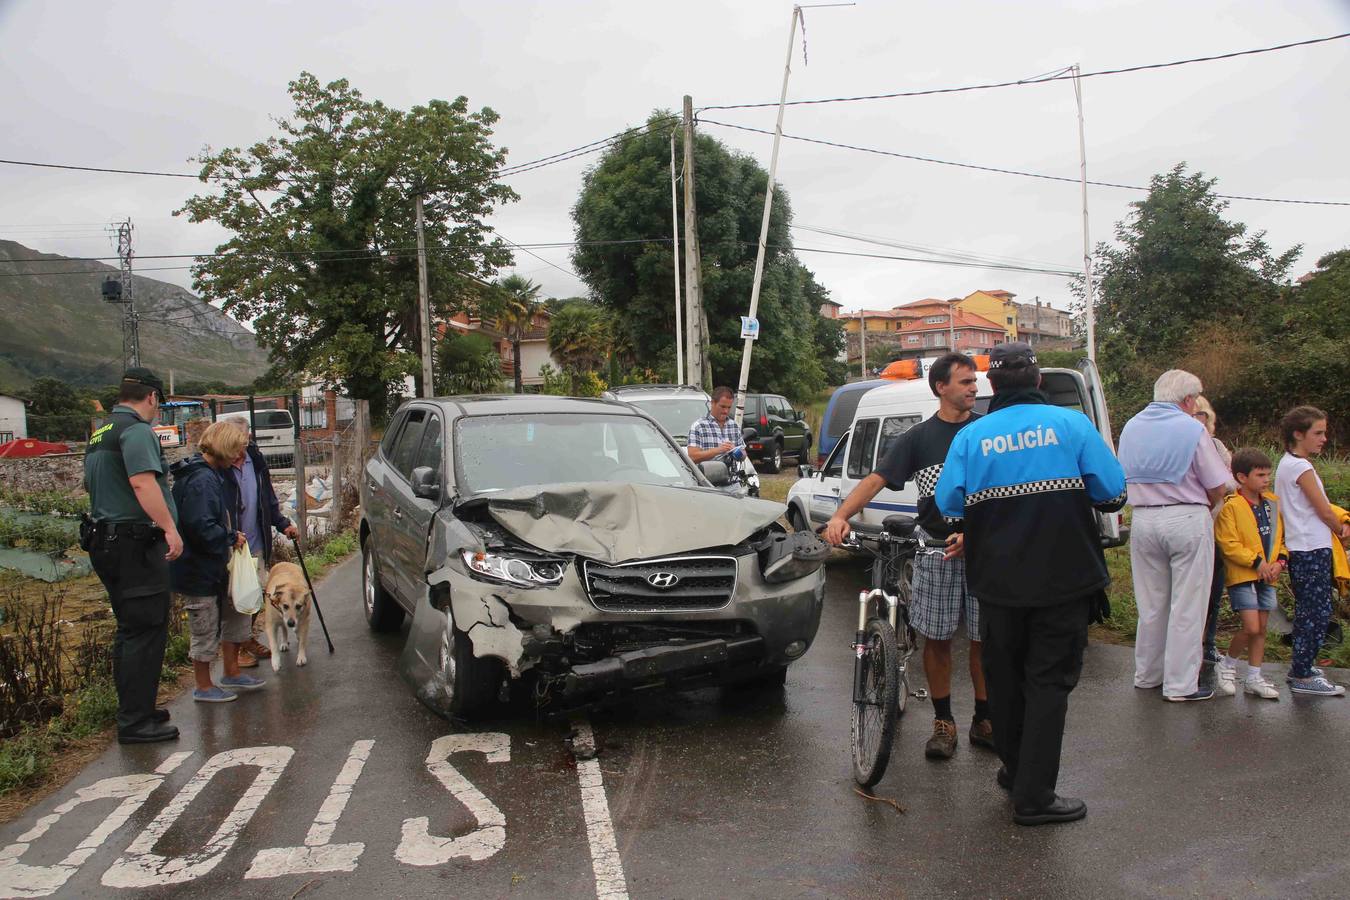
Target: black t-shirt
(918, 455)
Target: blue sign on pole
(749, 328)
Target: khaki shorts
(210, 621)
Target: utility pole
(119, 290)
(675, 238)
(862, 341)
(693, 281)
(951, 327)
(1089, 303)
(423, 301)
(764, 221)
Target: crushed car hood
(617, 522)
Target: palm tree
(579, 335)
(519, 305)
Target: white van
(274, 431)
(887, 412)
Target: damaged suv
(571, 543)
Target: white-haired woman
(1174, 476)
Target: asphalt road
(334, 782)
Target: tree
(322, 259)
(579, 336)
(467, 363)
(627, 196)
(519, 303)
(1181, 279)
(53, 397)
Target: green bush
(41, 536)
(46, 502)
(24, 758)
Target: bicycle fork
(865, 599)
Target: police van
(885, 413)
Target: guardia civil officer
(1023, 481)
(131, 536)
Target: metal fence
(321, 494)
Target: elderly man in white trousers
(1173, 474)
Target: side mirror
(425, 484)
(797, 415)
(805, 471)
(899, 526)
(715, 471)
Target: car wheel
(804, 454)
(468, 683)
(796, 519)
(774, 460)
(382, 612)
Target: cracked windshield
(498, 453)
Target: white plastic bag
(244, 588)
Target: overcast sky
(146, 85)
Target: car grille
(672, 584)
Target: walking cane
(303, 568)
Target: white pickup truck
(887, 412)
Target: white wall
(533, 355)
(13, 418)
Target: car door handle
(398, 513)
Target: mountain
(55, 323)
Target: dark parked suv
(570, 542)
(779, 430)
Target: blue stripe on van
(893, 507)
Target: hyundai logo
(663, 580)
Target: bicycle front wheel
(875, 702)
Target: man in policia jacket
(131, 536)
(1023, 481)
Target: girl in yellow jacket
(1250, 535)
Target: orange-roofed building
(994, 305)
(934, 334)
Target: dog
(288, 600)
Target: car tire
(469, 683)
(796, 519)
(773, 460)
(804, 454)
(382, 611)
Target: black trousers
(136, 576)
(1032, 658)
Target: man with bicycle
(1023, 482)
(939, 597)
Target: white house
(13, 419)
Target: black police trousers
(136, 576)
(1032, 657)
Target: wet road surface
(335, 781)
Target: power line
(1044, 79)
(1001, 171)
(922, 248)
(936, 262)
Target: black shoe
(1004, 778)
(159, 715)
(148, 734)
(1063, 809)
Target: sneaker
(247, 660)
(1225, 675)
(256, 648)
(942, 745)
(242, 682)
(982, 733)
(1259, 687)
(1201, 694)
(1316, 685)
(213, 694)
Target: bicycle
(884, 643)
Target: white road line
(140, 867)
(610, 883)
(18, 880)
(318, 855)
(418, 847)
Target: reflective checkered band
(927, 480)
(1117, 501)
(1022, 490)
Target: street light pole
(675, 237)
(1089, 309)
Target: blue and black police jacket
(1022, 482)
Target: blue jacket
(208, 519)
(1023, 481)
(269, 510)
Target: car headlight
(514, 569)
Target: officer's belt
(136, 530)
